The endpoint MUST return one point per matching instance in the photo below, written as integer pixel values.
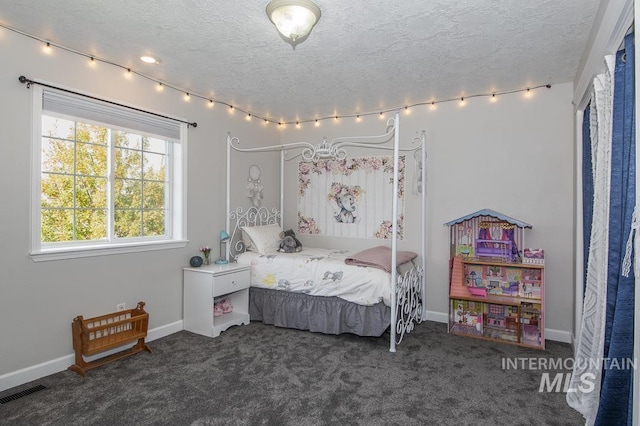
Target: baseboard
(164, 330)
(549, 333)
(558, 335)
(437, 317)
(25, 375)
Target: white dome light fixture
(294, 19)
(149, 59)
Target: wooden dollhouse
(496, 288)
(487, 234)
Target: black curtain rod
(29, 82)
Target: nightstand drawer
(229, 283)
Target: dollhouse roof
(492, 213)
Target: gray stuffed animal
(289, 243)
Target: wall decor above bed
(350, 197)
(254, 186)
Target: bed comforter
(319, 272)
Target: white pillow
(265, 238)
(246, 239)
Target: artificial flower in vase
(206, 251)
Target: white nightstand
(202, 284)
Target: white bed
(319, 272)
(315, 289)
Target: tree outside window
(100, 183)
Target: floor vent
(20, 394)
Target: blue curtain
(587, 189)
(616, 395)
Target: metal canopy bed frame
(408, 289)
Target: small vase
(206, 259)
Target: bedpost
(228, 195)
(423, 137)
(282, 152)
(394, 233)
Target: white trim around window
(177, 169)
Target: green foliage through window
(96, 181)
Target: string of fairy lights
(211, 102)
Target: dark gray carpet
(263, 375)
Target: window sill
(91, 251)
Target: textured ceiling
(362, 56)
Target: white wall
(514, 156)
(39, 300)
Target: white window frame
(177, 225)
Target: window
(106, 178)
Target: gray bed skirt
(329, 315)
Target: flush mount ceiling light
(294, 19)
(149, 59)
